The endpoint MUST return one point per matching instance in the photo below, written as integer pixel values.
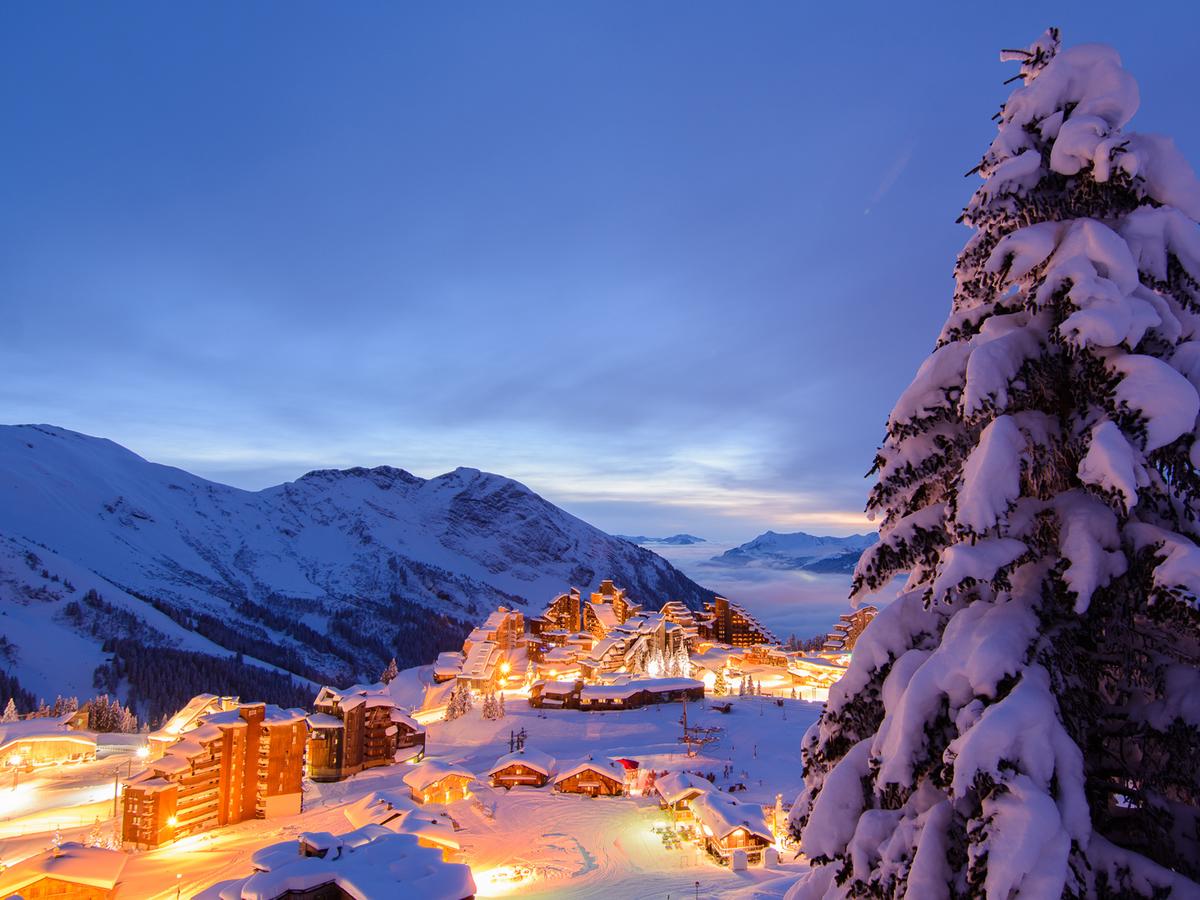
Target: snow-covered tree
(683, 664)
(742, 687)
(720, 686)
(466, 702)
(454, 705)
(10, 712)
(500, 706)
(390, 672)
(488, 709)
(1023, 719)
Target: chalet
(525, 767)
(639, 692)
(69, 872)
(447, 666)
(238, 764)
(555, 694)
(369, 862)
(434, 781)
(728, 825)
(677, 790)
(593, 779)
(42, 741)
(379, 808)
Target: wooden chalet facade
(69, 872)
(727, 826)
(525, 767)
(593, 779)
(434, 781)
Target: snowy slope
(798, 550)
(335, 567)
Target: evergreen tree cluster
(493, 705)
(460, 703)
(11, 693)
(1022, 719)
(160, 680)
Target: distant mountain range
(675, 539)
(798, 550)
(326, 577)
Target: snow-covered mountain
(675, 540)
(798, 550)
(327, 576)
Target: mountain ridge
(326, 576)
(797, 551)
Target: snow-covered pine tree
(742, 687)
(1023, 720)
(453, 706)
(10, 712)
(683, 662)
(390, 672)
(500, 706)
(720, 686)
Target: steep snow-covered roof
(534, 759)
(681, 786)
(605, 615)
(724, 815)
(590, 766)
(432, 771)
(92, 866)
(186, 717)
(399, 717)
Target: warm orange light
(143, 752)
(505, 667)
(172, 821)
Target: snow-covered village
(667, 268)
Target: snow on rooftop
(432, 771)
(724, 815)
(324, 720)
(386, 864)
(91, 866)
(629, 688)
(678, 786)
(534, 759)
(590, 766)
(378, 808)
(43, 729)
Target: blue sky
(669, 264)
